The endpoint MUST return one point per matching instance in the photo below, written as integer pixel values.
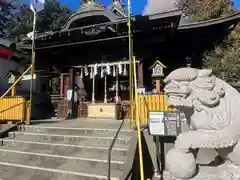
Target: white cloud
(158, 6)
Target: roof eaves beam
(82, 42)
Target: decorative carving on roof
(117, 7)
(83, 2)
(93, 31)
(89, 9)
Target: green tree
(7, 11)
(200, 10)
(52, 17)
(225, 58)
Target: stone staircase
(64, 150)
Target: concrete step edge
(72, 136)
(56, 171)
(59, 156)
(56, 144)
(72, 128)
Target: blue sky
(137, 5)
(237, 3)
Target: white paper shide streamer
(95, 70)
(108, 70)
(91, 73)
(81, 73)
(125, 70)
(86, 71)
(102, 72)
(119, 68)
(114, 71)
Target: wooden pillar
(66, 85)
(140, 75)
(14, 90)
(61, 85)
(158, 85)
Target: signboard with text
(164, 123)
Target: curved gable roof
(90, 11)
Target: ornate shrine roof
(90, 13)
(94, 23)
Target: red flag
(5, 53)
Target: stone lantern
(157, 73)
(12, 76)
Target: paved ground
(82, 123)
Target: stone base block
(222, 172)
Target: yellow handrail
(25, 72)
(138, 121)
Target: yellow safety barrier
(156, 102)
(15, 83)
(12, 109)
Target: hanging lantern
(86, 71)
(91, 73)
(125, 70)
(108, 70)
(120, 68)
(114, 71)
(95, 70)
(81, 73)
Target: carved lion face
(179, 94)
(189, 88)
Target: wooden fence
(13, 109)
(156, 102)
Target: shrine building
(90, 52)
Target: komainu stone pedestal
(222, 172)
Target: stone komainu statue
(213, 109)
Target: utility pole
(33, 59)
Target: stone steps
(64, 163)
(70, 139)
(74, 131)
(11, 171)
(64, 149)
(48, 152)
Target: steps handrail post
(110, 149)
